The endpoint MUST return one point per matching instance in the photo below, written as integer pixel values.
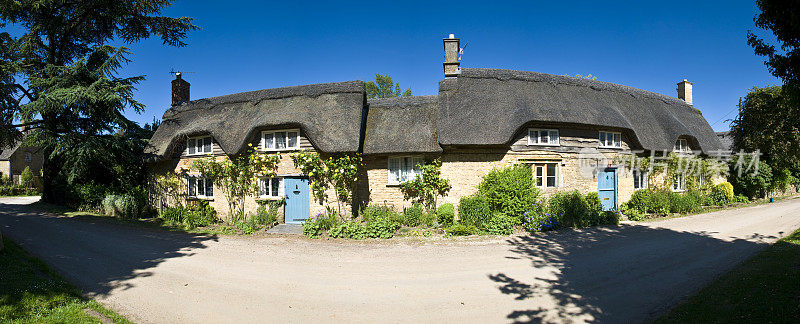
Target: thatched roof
(5, 155)
(401, 125)
(726, 139)
(328, 113)
(488, 106)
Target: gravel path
(630, 273)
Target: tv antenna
(177, 73)
(461, 51)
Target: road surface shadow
(627, 274)
(95, 254)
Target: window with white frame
(404, 168)
(681, 145)
(200, 187)
(544, 174)
(199, 145)
(28, 157)
(280, 140)
(610, 139)
(270, 187)
(542, 136)
(679, 182)
(640, 179)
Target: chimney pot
(685, 91)
(451, 62)
(180, 90)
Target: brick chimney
(180, 90)
(451, 64)
(685, 91)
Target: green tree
(427, 186)
(768, 122)
(782, 18)
(384, 87)
(58, 77)
(27, 177)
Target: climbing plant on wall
(238, 175)
(339, 172)
(427, 186)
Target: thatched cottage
(481, 119)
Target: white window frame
(199, 149)
(616, 139)
(271, 145)
(643, 178)
(408, 168)
(534, 137)
(197, 180)
(679, 182)
(682, 145)
(265, 187)
(545, 174)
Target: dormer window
(281, 140)
(545, 137)
(610, 140)
(681, 145)
(199, 145)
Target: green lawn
(764, 289)
(31, 292)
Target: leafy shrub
(16, 190)
(381, 227)
(722, 194)
(445, 214)
(684, 203)
(747, 182)
(312, 227)
(173, 215)
(606, 218)
(740, 199)
(199, 214)
(349, 229)
(91, 194)
(267, 213)
(660, 202)
(459, 229)
(633, 214)
(412, 216)
(509, 191)
(27, 178)
(571, 207)
(593, 203)
(639, 202)
(474, 211)
(428, 218)
(500, 224)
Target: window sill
(268, 198)
(530, 144)
(200, 198)
(611, 147)
(280, 150)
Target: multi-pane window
(679, 182)
(544, 174)
(28, 157)
(681, 145)
(639, 179)
(270, 187)
(280, 140)
(542, 136)
(199, 145)
(404, 168)
(610, 139)
(200, 187)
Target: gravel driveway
(630, 273)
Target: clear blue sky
(251, 45)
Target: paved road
(630, 273)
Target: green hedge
(474, 211)
(510, 191)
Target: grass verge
(764, 289)
(31, 292)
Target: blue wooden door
(297, 204)
(607, 188)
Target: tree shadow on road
(630, 273)
(97, 255)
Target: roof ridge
(530, 76)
